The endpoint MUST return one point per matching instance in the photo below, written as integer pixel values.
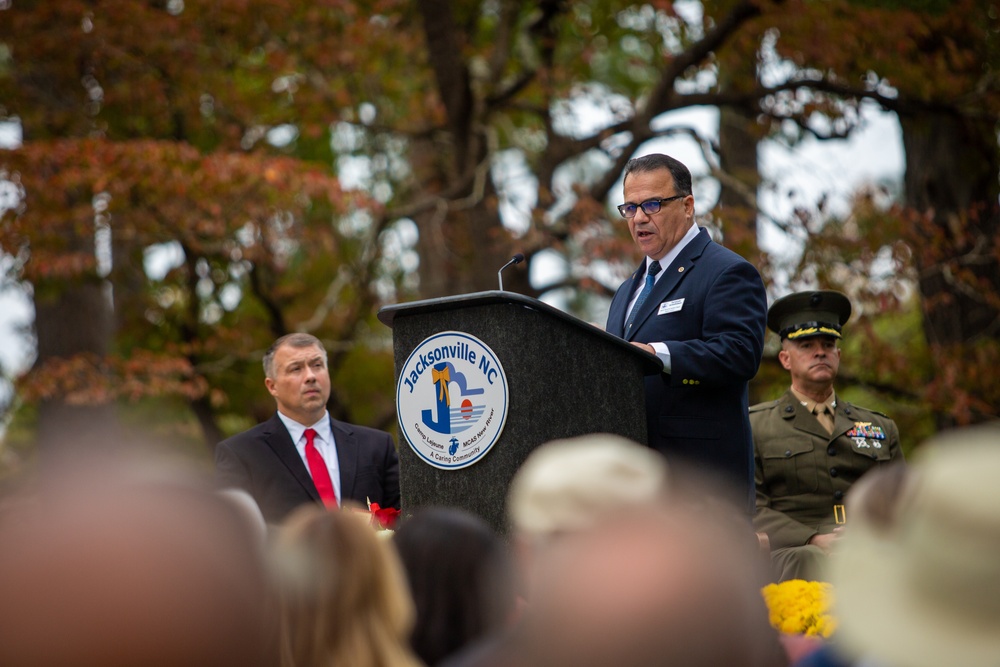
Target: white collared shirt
(324, 442)
(662, 352)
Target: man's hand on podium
(644, 346)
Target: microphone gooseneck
(516, 259)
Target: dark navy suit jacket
(264, 462)
(699, 412)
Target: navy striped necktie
(654, 268)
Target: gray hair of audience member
(656, 586)
(248, 510)
(297, 340)
(566, 485)
(917, 573)
(125, 566)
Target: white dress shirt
(324, 442)
(662, 352)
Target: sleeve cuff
(663, 354)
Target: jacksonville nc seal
(451, 399)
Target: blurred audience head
(461, 578)
(918, 570)
(120, 564)
(658, 586)
(343, 597)
(569, 484)
(248, 510)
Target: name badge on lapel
(670, 306)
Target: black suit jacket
(264, 462)
(699, 412)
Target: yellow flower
(801, 607)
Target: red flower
(384, 518)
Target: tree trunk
(952, 164)
(73, 319)
(462, 241)
(738, 138)
(739, 134)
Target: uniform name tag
(670, 306)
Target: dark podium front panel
(564, 378)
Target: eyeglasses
(649, 207)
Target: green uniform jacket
(801, 472)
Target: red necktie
(319, 471)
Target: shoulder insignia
(767, 405)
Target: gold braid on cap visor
(810, 329)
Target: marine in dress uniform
(803, 468)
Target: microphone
(516, 259)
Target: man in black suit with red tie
(301, 455)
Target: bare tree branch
(664, 97)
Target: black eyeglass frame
(654, 204)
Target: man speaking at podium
(701, 309)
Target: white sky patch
(801, 175)
(16, 309)
(282, 135)
(11, 134)
(159, 259)
(517, 188)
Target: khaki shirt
(801, 472)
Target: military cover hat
(808, 314)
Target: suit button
(788, 408)
(838, 495)
(831, 450)
(833, 472)
(788, 453)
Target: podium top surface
(388, 314)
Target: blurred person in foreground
(700, 308)
(461, 576)
(654, 586)
(568, 485)
(342, 593)
(595, 498)
(809, 445)
(917, 573)
(877, 493)
(301, 455)
(105, 564)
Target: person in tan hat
(810, 447)
(567, 485)
(654, 586)
(917, 573)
